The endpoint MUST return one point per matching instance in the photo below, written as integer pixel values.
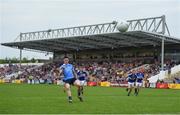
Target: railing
(163, 74)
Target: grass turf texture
(24, 98)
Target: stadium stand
(97, 71)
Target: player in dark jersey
(139, 80)
(82, 76)
(131, 81)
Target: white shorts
(138, 84)
(82, 83)
(130, 84)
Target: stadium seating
(115, 72)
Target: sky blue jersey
(67, 71)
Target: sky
(32, 15)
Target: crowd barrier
(175, 69)
(174, 86)
(162, 85)
(91, 83)
(152, 85)
(1, 81)
(164, 74)
(16, 81)
(119, 84)
(105, 84)
(109, 84)
(59, 82)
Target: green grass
(24, 98)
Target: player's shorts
(70, 81)
(138, 84)
(130, 84)
(82, 82)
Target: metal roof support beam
(148, 24)
(86, 42)
(103, 43)
(42, 43)
(54, 43)
(149, 38)
(40, 47)
(125, 41)
(39, 51)
(75, 43)
(165, 37)
(162, 46)
(114, 43)
(142, 40)
(70, 32)
(92, 42)
(119, 41)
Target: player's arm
(60, 71)
(74, 73)
(127, 75)
(127, 78)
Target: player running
(131, 81)
(139, 79)
(70, 79)
(82, 76)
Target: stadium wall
(124, 54)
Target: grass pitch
(35, 99)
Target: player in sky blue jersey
(139, 80)
(70, 78)
(131, 81)
(82, 76)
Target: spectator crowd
(97, 71)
